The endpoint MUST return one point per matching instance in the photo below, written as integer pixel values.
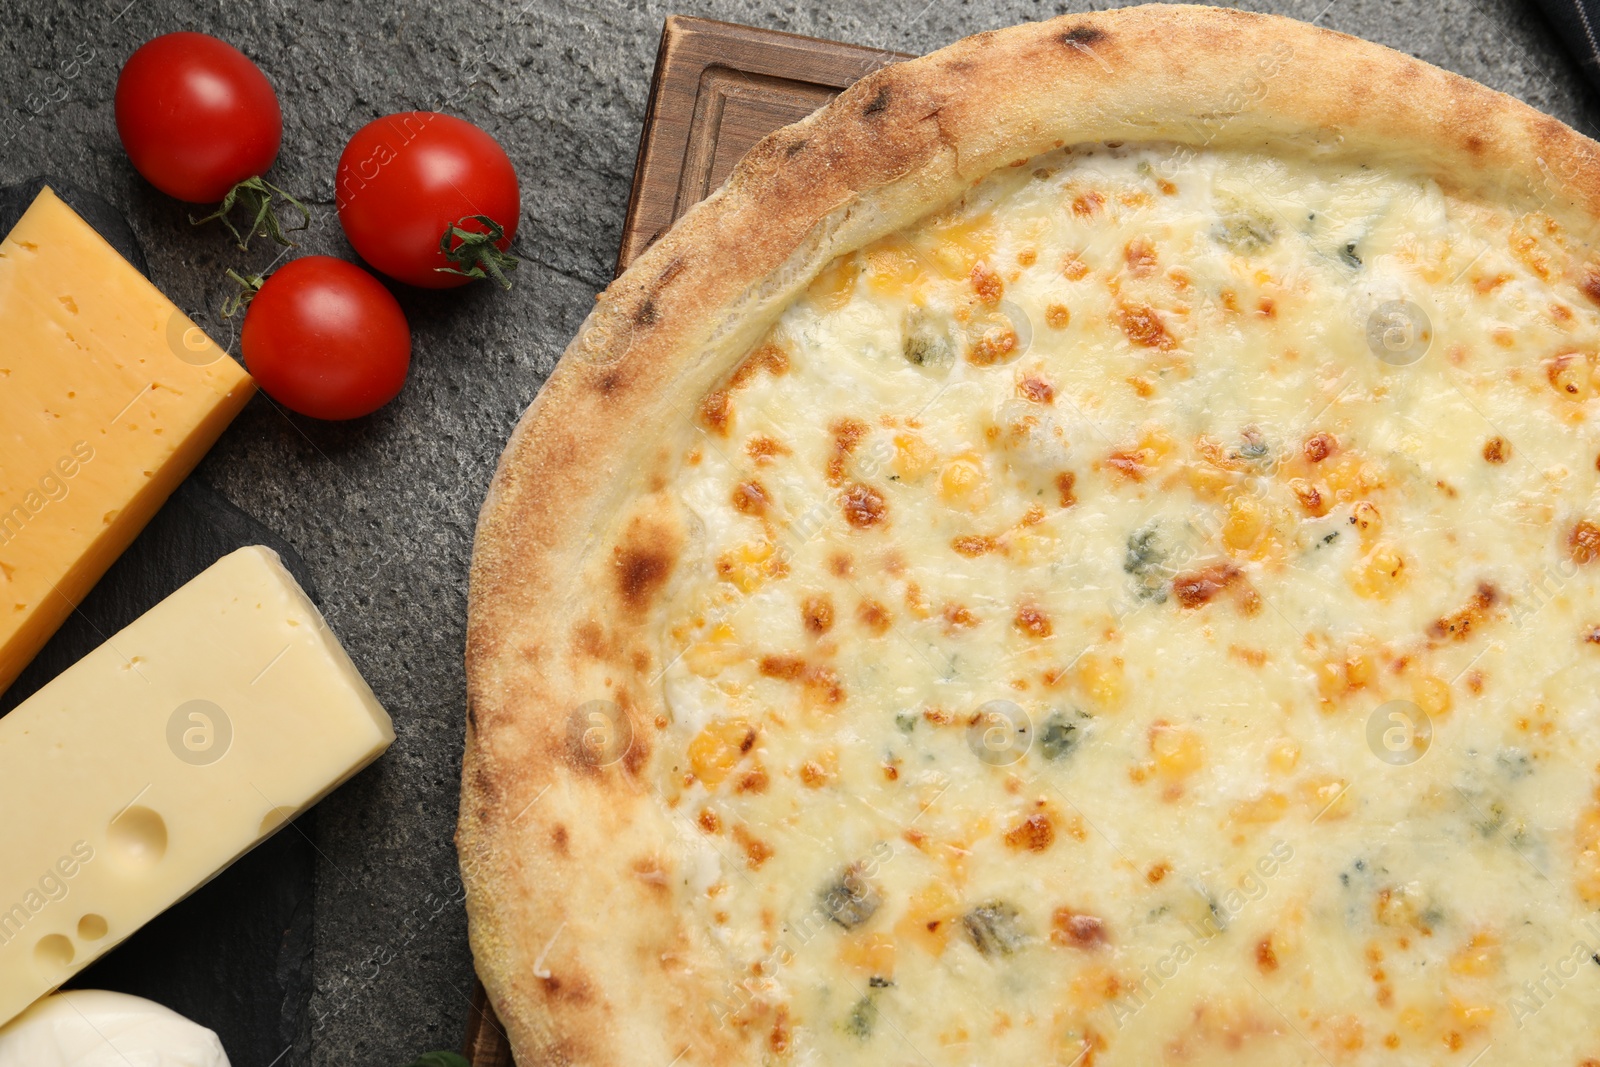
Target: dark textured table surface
(382, 510)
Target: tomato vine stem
(256, 195)
(249, 286)
(478, 253)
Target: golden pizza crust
(569, 865)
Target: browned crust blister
(568, 864)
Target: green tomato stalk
(477, 255)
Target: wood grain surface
(718, 89)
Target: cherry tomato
(196, 116)
(325, 338)
(404, 180)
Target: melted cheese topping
(1146, 613)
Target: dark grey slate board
(107, 220)
(235, 956)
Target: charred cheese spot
(1143, 326)
(1128, 463)
(972, 545)
(874, 616)
(987, 284)
(1084, 205)
(764, 449)
(847, 435)
(1460, 625)
(1590, 283)
(779, 1037)
(1266, 956)
(1583, 543)
(1077, 930)
(994, 346)
(817, 613)
(958, 617)
(1032, 621)
(1036, 389)
(1033, 834)
(1319, 446)
(719, 747)
(787, 668)
(756, 850)
(1140, 256)
(716, 409)
(716, 412)
(864, 507)
(1197, 587)
(768, 357)
(751, 498)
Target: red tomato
(325, 338)
(404, 180)
(196, 116)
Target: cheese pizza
(1085, 550)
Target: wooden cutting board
(718, 89)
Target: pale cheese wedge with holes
(163, 756)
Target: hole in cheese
(138, 838)
(92, 927)
(53, 953)
(274, 819)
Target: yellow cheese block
(163, 756)
(109, 395)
